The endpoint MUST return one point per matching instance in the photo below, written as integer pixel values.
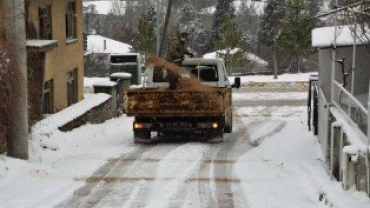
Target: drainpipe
(105, 45)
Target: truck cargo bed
(175, 103)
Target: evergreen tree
(271, 22)
(295, 38)
(313, 9)
(145, 37)
(223, 8)
(199, 37)
(270, 28)
(230, 38)
(340, 3)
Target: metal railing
(356, 112)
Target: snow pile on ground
(57, 159)
(301, 77)
(286, 167)
(270, 96)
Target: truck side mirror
(236, 83)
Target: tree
(270, 29)
(223, 8)
(145, 37)
(295, 38)
(199, 37)
(340, 3)
(229, 38)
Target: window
(71, 87)
(206, 73)
(71, 20)
(48, 96)
(45, 23)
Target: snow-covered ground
(300, 77)
(270, 96)
(270, 160)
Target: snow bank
(270, 96)
(301, 77)
(286, 168)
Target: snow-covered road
(269, 161)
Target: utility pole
(164, 32)
(297, 39)
(16, 39)
(158, 25)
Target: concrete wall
(68, 55)
(99, 114)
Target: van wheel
(141, 136)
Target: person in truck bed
(177, 52)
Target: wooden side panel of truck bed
(177, 103)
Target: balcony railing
(353, 106)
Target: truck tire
(142, 136)
(229, 123)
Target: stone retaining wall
(98, 114)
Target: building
(54, 54)
(343, 97)
(98, 52)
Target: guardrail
(356, 112)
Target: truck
(204, 109)
(132, 63)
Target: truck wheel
(142, 136)
(229, 123)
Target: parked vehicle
(132, 63)
(207, 112)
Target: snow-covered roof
(249, 56)
(344, 36)
(106, 7)
(105, 84)
(101, 44)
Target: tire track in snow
(97, 187)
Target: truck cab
(211, 72)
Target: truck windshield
(206, 73)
